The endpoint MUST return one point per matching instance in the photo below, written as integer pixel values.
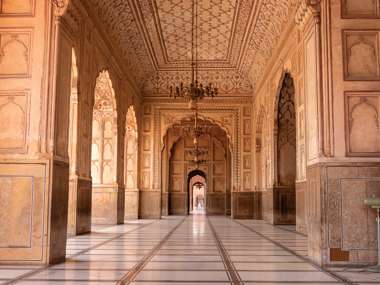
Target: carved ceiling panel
(235, 38)
(215, 19)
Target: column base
(341, 229)
(131, 206)
(150, 204)
(79, 214)
(107, 205)
(246, 205)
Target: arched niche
(104, 131)
(285, 163)
(104, 152)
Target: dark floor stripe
(232, 272)
(332, 274)
(131, 275)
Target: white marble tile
(282, 276)
(183, 275)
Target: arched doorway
(197, 187)
(285, 162)
(104, 153)
(130, 166)
(177, 163)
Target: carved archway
(285, 163)
(177, 165)
(104, 149)
(197, 189)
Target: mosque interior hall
(179, 142)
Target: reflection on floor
(193, 250)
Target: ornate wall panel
(17, 7)
(350, 223)
(15, 52)
(14, 121)
(362, 121)
(311, 93)
(361, 9)
(361, 55)
(147, 149)
(22, 191)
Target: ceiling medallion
(194, 91)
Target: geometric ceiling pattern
(235, 39)
(215, 19)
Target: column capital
(60, 6)
(306, 10)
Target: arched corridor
(189, 141)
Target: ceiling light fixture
(194, 91)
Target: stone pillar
(342, 96)
(150, 192)
(34, 166)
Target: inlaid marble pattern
(192, 250)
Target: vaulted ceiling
(235, 39)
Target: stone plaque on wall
(361, 55)
(362, 121)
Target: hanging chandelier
(195, 90)
(197, 132)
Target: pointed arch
(104, 130)
(131, 150)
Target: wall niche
(361, 55)
(362, 121)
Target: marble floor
(192, 250)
